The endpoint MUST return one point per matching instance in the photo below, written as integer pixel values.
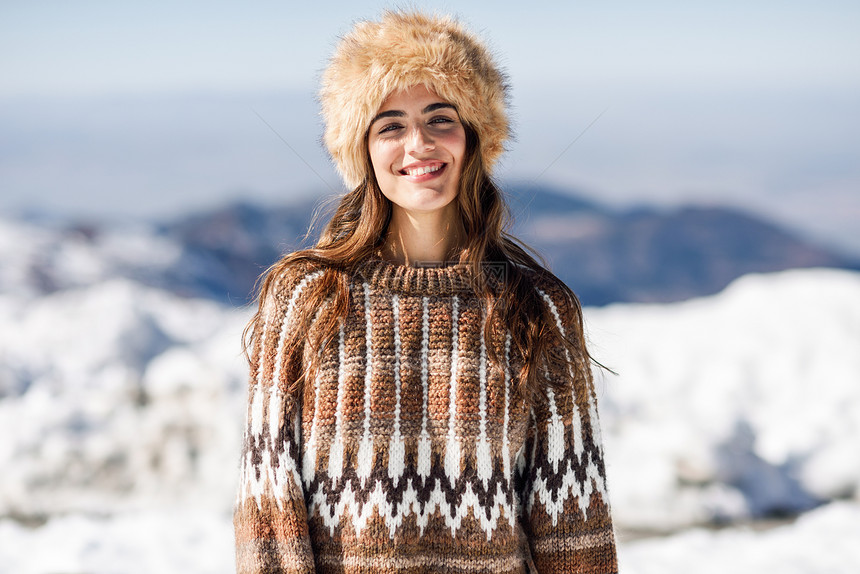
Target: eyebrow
(400, 113)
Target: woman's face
(417, 144)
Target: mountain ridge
(606, 255)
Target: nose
(420, 140)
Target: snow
(43, 258)
(116, 394)
(733, 406)
(823, 540)
(121, 408)
(145, 542)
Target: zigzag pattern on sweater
(422, 496)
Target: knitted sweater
(409, 453)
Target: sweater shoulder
(561, 301)
(287, 280)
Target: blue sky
(121, 108)
(105, 46)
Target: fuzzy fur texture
(401, 50)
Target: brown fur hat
(401, 50)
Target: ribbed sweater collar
(393, 277)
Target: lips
(418, 170)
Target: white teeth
(422, 170)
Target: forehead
(413, 97)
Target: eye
(389, 128)
(442, 120)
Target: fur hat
(401, 50)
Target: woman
(421, 396)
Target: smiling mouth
(417, 171)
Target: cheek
(381, 158)
(456, 145)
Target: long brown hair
(357, 230)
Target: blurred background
(691, 170)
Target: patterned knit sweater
(409, 453)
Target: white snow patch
(751, 395)
(180, 541)
(42, 258)
(823, 540)
(117, 393)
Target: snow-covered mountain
(45, 257)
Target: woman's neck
(418, 239)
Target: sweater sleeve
(270, 516)
(565, 505)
